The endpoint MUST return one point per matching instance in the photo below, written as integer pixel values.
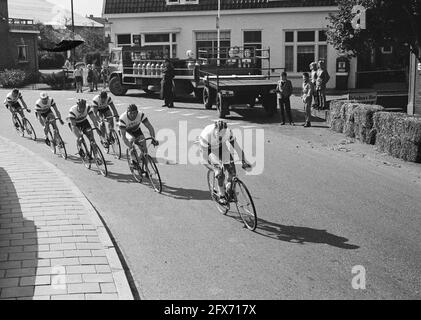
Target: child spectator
(104, 76)
(323, 78)
(95, 78)
(79, 79)
(308, 91)
(90, 78)
(313, 78)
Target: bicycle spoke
(99, 160)
(136, 172)
(153, 173)
(245, 205)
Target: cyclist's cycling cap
(43, 95)
(221, 125)
(132, 107)
(81, 102)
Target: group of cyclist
(215, 140)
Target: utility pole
(73, 36)
(219, 34)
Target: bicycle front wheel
(153, 173)
(30, 130)
(52, 141)
(212, 184)
(115, 144)
(86, 154)
(99, 160)
(61, 147)
(136, 171)
(245, 205)
(17, 123)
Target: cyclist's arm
(56, 111)
(150, 128)
(24, 104)
(114, 109)
(239, 151)
(123, 136)
(94, 119)
(75, 129)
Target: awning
(64, 45)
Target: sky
(82, 7)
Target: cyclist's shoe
(99, 162)
(82, 153)
(47, 141)
(17, 126)
(223, 200)
(133, 164)
(61, 145)
(246, 165)
(112, 141)
(106, 144)
(145, 174)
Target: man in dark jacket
(167, 90)
(284, 91)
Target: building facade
(293, 30)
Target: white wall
(271, 24)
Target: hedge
(16, 78)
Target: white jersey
(101, 105)
(208, 138)
(132, 125)
(79, 117)
(42, 107)
(10, 99)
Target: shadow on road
(301, 235)
(19, 249)
(185, 194)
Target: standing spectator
(95, 78)
(104, 76)
(323, 78)
(308, 91)
(313, 78)
(90, 78)
(284, 92)
(79, 79)
(167, 87)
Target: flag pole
(219, 33)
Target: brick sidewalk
(52, 242)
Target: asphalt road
(321, 214)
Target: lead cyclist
(214, 146)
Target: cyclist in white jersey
(14, 102)
(43, 112)
(217, 143)
(103, 104)
(79, 123)
(131, 131)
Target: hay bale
(399, 135)
(350, 119)
(337, 115)
(363, 123)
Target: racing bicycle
(23, 125)
(111, 141)
(56, 142)
(93, 154)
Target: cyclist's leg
(215, 162)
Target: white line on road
(146, 108)
(171, 112)
(232, 123)
(202, 117)
(248, 127)
(159, 110)
(188, 114)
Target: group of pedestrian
(314, 87)
(93, 77)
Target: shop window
(158, 37)
(207, 44)
(22, 53)
(305, 36)
(289, 58)
(253, 42)
(305, 56)
(171, 2)
(289, 36)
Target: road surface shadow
(184, 194)
(301, 235)
(121, 177)
(19, 249)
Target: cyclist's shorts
(46, 115)
(104, 113)
(84, 126)
(133, 135)
(14, 106)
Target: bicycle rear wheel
(17, 123)
(136, 171)
(115, 144)
(153, 173)
(86, 155)
(212, 184)
(61, 147)
(245, 205)
(30, 129)
(99, 160)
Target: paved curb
(117, 270)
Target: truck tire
(222, 105)
(269, 104)
(208, 97)
(116, 87)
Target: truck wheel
(269, 104)
(208, 97)
(116, 87)
(222, 105)
(198, 93)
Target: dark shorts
(133, 135)
(104, 113)
(14, 106)
(84, 126)
(78, 79)
(45, 115)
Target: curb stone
(120, 279)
